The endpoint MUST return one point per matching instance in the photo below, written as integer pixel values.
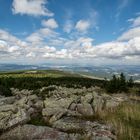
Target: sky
(98, 32)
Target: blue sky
(83, 31)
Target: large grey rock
(52, 114)
(39, 105)
(85, 109)
(15, 111)
(31, 132)
(8, 118)
(21, 93)
(20, 117)
(22, 103)
(55, 102)
(68, 124)
(73, 106)
(7, 100)
(98, 103)
(92, 130)
(88, 98)
(6, 108)
(55, 108)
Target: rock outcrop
(32, 132)
(18, 109)
(85, 105)
(66, 111)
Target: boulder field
(67, 114)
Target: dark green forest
(115, 85)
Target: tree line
(34, 83)
(115, 85)
(119, 84)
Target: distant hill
(92, 71)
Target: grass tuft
(126, 120)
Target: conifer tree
(130, 82)
(122, 83)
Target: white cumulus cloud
(34, 38)
(31, 7)
(51, 23)
(82, 25)
(13, 49)
(135, 21)
(131, 33)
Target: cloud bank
(81, 48)
(46, 43)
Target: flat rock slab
(92, 129)
(31, 132)
(7, 100)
